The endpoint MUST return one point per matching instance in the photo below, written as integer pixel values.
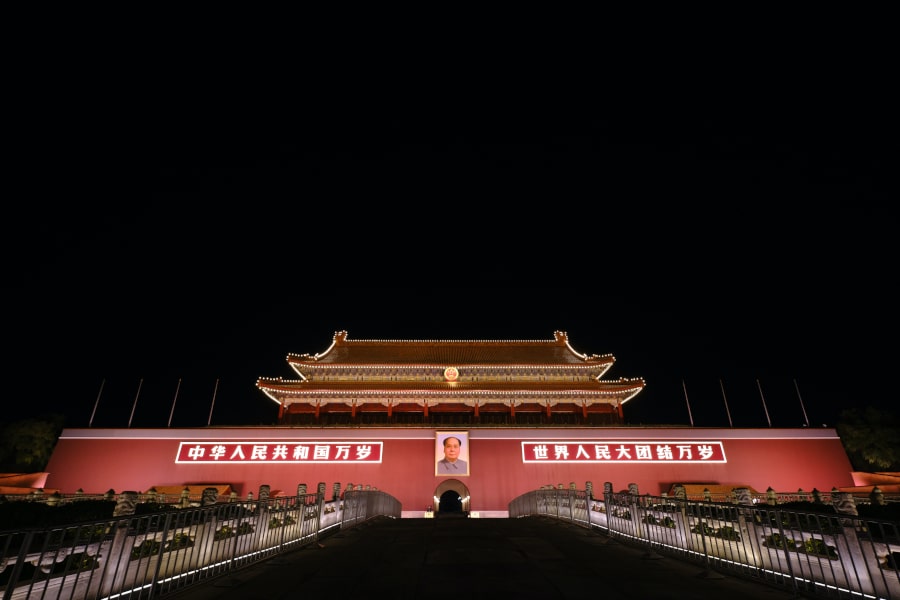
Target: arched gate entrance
(451, 497)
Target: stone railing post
(849, 544)
(115, 567)
(320, 509)
(603, 512)
(742, 496)
(210, 496)
(607, 490)
(205, 533)
(844, 504)
(877, 496)
(681, 497)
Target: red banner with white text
(633, 452)
(279, 452)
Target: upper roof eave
(555, 352)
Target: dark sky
(753, 251)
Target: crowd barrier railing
(152, 555)
(815, 552)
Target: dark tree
(26, 445)
(871, 438)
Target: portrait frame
(464, 456)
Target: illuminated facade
(529, 414)
(471, 382)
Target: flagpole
(96, 402)
(764, 402)
(722, 385)
(686, 401)
(172, 412)
(213, 403)
(805, 418)
(133, 406)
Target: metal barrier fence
(816, 553)
(148, 556)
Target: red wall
(97, 460)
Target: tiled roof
(451, 352)
(698, 489)
(389, 387)
(403, 369)
(194, 490)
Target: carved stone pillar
(210, 496)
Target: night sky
(753, 252)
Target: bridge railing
(818, 551)
(151, 555)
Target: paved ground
(470, 559)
